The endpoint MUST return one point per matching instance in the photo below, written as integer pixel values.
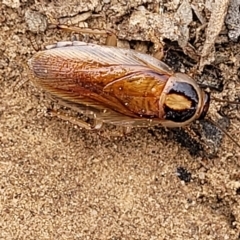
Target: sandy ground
(58, 181)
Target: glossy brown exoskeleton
(118, 86)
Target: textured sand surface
(58, 181)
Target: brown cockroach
(118, 86)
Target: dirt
(58, 181)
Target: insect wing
(103, 77)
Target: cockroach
(118, 86)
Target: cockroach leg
(84, 30)
(33, 42)
(111, 40)
(111, 37)
(158, 46)
(198, 32)
(55, 24)
(97, 124)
